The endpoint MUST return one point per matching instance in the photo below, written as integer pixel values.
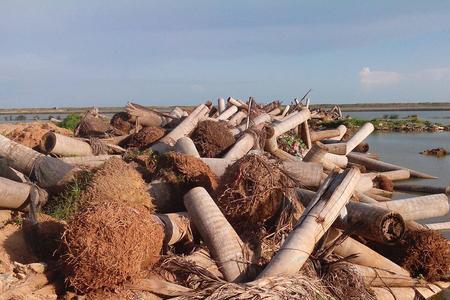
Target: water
(403, 149)
(435, 116)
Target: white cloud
(370, 78)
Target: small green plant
(65, 204)
(71, 121)
(393, 117)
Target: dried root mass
(212, 139)
(108, 244)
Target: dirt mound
(258, 199)
(121, 121)
(14, 248)
(108, 243)
(384, 183)
(45, 237)
(145, 137)
(212, 139)
(117, 180)
(30, 135)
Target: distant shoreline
(344, 107)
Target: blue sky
(105, 53)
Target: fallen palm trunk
(442, 226)
(224, 244)
(10, 173)
(380, 192)
(177, 227)
(317, 154)
(305, 134)
(274, 131)
(261, 119)
(359, 136)
(364, 198)
(394, 293)
(17, 195)
(186, 145)
(274, 112)
(46, 171)
(339, 160)
(183, 129)
(285, 110)
(315, 221)
(377, 197)
(422, 189)
(217, 165)
(221, 105)
(236, 102)
(324, 134)
(237, 118)
(245, 143)
(146, 117)
(381, 278)
(90, 162)
(342, 130)
(115, 140)
(418, 208)
(228, 113)
(392, 175)
(357, 253)
(373, 223)
(64, 146)
(306, 173)
(378, 165)
(365, 184)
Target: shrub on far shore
(71, 121)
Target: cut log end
(392, 227)
(48, 142)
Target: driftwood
(414, 188)
(378, 165)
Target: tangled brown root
(121, 121)
(259, 201)
(384, 183)
(145, 137)
(119, 181)
(426, 253)
(109, 243)
(186, 172)
(212, 138)
(345, 283)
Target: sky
(107, 52)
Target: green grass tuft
(65, 204)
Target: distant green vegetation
(71, 121)
(390, 123)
